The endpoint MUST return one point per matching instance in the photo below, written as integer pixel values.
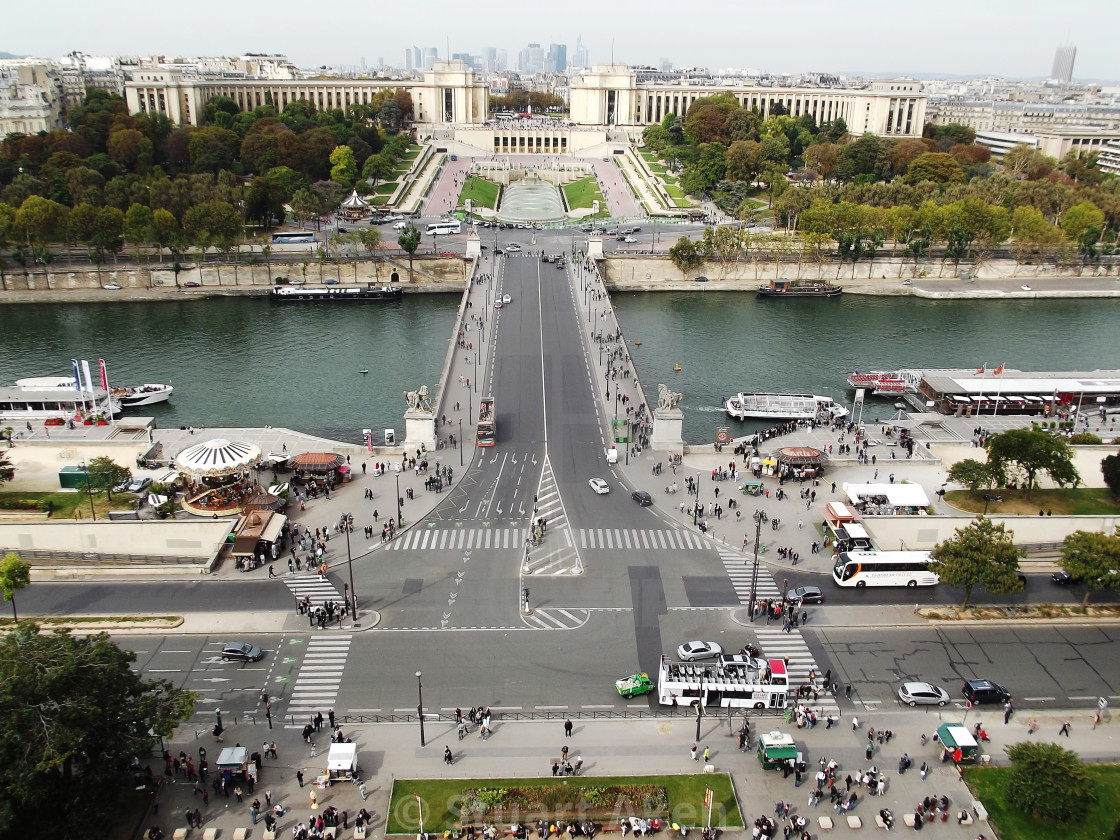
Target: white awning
(899, 495)
(274, 527)
(342, 757)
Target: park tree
(264, 203)
(138, 225)
(1080, 218)
(1028, 452)
(305, 205)
(1093, 558)
(103, 474)
(39, 218)
(973, 474)
(979, 553)
(1110, 468)
(108, 233)
(165, 230)
(685, 255)
(14, 576)
(1049, 782)
(938, 167)
(409, 241)
(344, 168)
(131, 150)
(74, 712)
(822, 157)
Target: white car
(924, 694)
(112, 287)
(599, 486)
(400, 225)
(507, 299)
(698, 650)
(512, 248)
(629, 240)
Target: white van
(612, 456)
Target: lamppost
(696, 501)
(699, 706)
(460, 441)
(347, 522)
(469, 403)
(420, 707)
(754, 572)
(397, 476)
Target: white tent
(342, 760)
(899, 495)
(217, 457)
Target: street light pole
(460, 441)
(420, 707)
(754, 572)
(397, 476)
(347, 523)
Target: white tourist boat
(758, 405)
(54, 398)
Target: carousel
(218, 476)
(799, 462)
(320, 471)
(354, 208)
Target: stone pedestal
(595, 247)
(668, 431)
(474, 245)
(419, 428)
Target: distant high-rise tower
(1064, 57)
(580, 59)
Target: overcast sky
(1014, 38)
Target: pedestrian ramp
(740, 568)
(320, 590)
(641, 539)
(315, 687)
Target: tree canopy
(1094, 559)
(14, 576)
(979, 553)
(1048, 781)
(1027, 452)
(74, 714)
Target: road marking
(597, 706)
(550, 707)
(1040, 698)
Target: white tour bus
(449, 226)
(884, 568)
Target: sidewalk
(608, 747)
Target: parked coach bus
(292, 238)
(884, 568)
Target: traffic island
(449, 805)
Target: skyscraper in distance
(1064, 57)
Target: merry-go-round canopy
(318, 461)
(262, 501)
(354, 202)
(799, 455)
(217, 457)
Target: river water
(249, 362)
(730, 342)
(241, 361)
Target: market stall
(255, 536)
(888, 499)
(342, 762)
(799, 462)
(218, 476)
(318, 471)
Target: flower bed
(563, 801)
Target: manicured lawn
(482, 192)
(385, 188)
(675, 192)
(412, 153)
(1082, 501)
(682, 202)
(380, 199)
(76, 505)
(583, 192)
(441, 798)
(989, 784)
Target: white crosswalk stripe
(556, 554)
(320, 590)
(320, 675)
(455, 539)
(556, 618)
(773, 641)
(641, 539)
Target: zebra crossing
(320, 590)
(562, 558)
(320, 675)
(455, 539)
(555, 554)
(773, 641)
(642, 539)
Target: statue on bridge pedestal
(418, 400)
(666, 399)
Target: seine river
(249, 362)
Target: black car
(642, 498)
(984, 691)
(807, 595)
(1063, 578)
(242, 651)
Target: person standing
(564, 753)
(692, 752)
(299, 777)
(707, 754)
(1008, 710)
(568, 728)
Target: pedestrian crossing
(563, 558)
(642, 539)
(774, 642)
(320, 675)
(319, 589)
(555, 554)
(455, 539)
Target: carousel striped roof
(217, 457)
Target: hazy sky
(1013, 38)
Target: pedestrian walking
(1065, 728)
(362, 791)
(299, 777)
(707, 754)
(579, 763)
(692, 752)
(448, 759)
(848, 691)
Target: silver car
(698, 650)
(922, 694)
